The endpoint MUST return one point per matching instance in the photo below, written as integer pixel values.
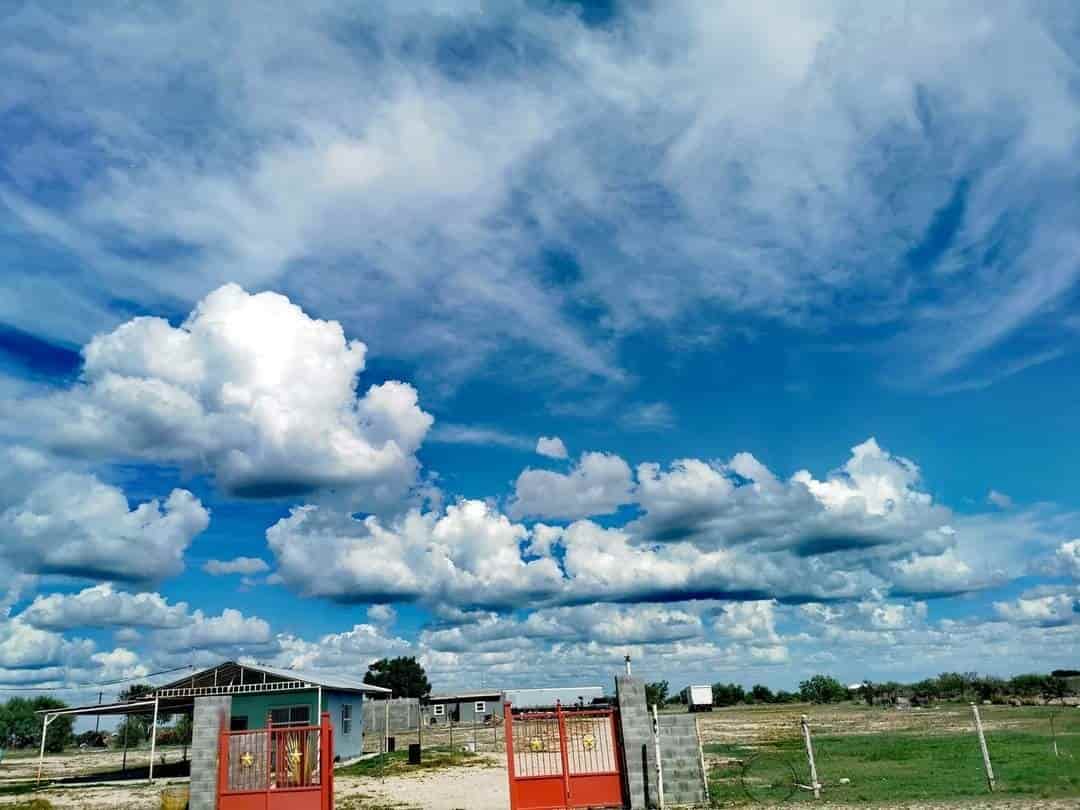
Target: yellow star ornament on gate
(536, 744)
(588, 741)
(246, 759)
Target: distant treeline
(963, 686)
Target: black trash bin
(390, 744)
(414, 753)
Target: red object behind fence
(558, 760)
(277, 768)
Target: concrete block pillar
(636, 727)
(206, 724)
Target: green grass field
(396, 763)
(903, 766)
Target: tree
(727, 694)
(404, 676)
(822, 689)
(762, 694)
(20, 725)
(656, 693)
(135, 728)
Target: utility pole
(97, 720)
(626, 659)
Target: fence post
(982, 744)
(810, 757)
(659, 759)
(326, 766)
(508, 718)
(563, 744)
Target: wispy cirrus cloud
(475, 143)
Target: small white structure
(698, 698)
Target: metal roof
(231, 677)
(494, 694)
(327, 680)
(141, 706)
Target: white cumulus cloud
(103, 606)
(249, 388)
(551, 446)
(54, 521)
(597, 485)
(238, 565)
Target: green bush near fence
(910, 767)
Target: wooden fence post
(810, 757)
(982, 744)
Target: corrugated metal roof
(324, 679)
(230, 673)
(490, 693)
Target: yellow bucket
(175, 798)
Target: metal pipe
(153, 739)
(659, 759)
(45, 720)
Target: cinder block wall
(680, 751)
(204, 749)
(636, 727)
(680, 754)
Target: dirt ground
(471, 788)
(20, 766)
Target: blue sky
(289, 301)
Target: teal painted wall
(346, 746)
(257, 706)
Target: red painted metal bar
(326, 767)
(223, 755)
(562, 750)
(508, 719)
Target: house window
(346, 718)
(480, 707)
(439, 710)
(238, 722)
(291, 716)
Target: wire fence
(759, 754)
(400, 723)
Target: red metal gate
(277, 768)
(563, 759)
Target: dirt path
(472, 788)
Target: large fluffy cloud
(597, 485)
(103, 606)
(54, 521)
(708, 530)
(248, 388)
(230, 630)
(468, 554)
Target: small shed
(464, 707)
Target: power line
(88, 685)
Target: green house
(260, 694)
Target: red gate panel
(277, 768)
(561, 759)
